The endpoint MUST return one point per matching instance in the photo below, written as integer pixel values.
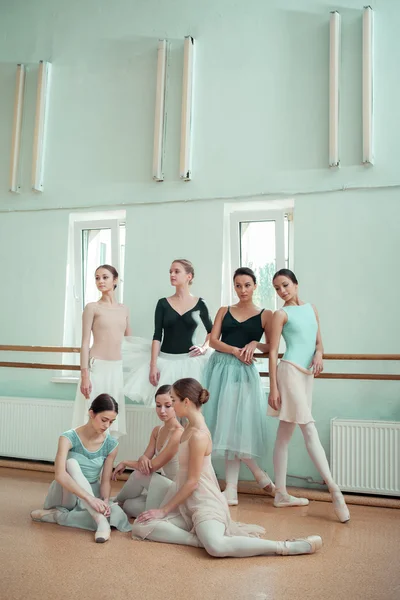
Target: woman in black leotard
(236, 411)
(174, 353)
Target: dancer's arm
(143, 464)
(198, 445)
(87, 323)
(208, 324)
(249, 349)
(169, 451)
(105, 485)
(154, 375)
(278, 321)
(128, 329)
(317, 363)
(216, 343)
(66, 481)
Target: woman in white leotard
(101, 365)
(195, 512)
(160, 454)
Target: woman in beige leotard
(160, 454)
(101, 365)
(195, 512)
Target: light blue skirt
(74, 514)
(236, 411)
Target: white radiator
(365, 456)
(30, 428)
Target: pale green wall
(260, 130)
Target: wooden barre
(368, 376)
(39, 349)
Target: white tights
(232, 468)
(314, 449)
(131, 496)
(211, 536)
(74, 470)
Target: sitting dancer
(195, 512)
(161, 453)
(236, 412)
(291, 384)
(79, 496)
(173, 353)
(101, 365)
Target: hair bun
(204, 396)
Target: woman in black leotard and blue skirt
(173, 353)
(236, 411)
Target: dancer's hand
(154, 376)
(119, 469)
(274, 399)
(248, 351)
(317, 364)
(238, 353)
(196, 351)
(86, 387)
(149, 515)
(145, 466)
(97, 504)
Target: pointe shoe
(340, 507)
(231, 496)
(314, 541)
(285, 501)
(43, 515)
(267, 485)
(102, 535)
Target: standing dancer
(173, 353)
(195, 512)
(291, 384)
(160, 454)
(236, 413)
(101, 365)
(79, 496)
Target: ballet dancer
(101, 365)
(174, 353)
(195, 512)
(291, 383)
(160, 454)
(236, 412)
(79, 495)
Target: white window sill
(65, 379)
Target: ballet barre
(68, 349)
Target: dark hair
(112, 270)
(102, 403)
(285, 273)
(163, 389)
(191, 389)
(245, 271)
(187, 265)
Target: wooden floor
(39, 561)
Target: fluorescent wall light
(39, 140)
(334, 76)
(159, 119)
(367, 85)
(187, 110)
(17, 128)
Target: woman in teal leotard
(79, 496)
(291, 385)
(236, 412)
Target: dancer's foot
(285, 500)
(265, 482)
(340, 507)
(103, 531)
(231, 495)
(45, 515)
(307, 545)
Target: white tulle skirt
(107, 377)
(136, 354)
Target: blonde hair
(187, 265)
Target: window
(260, 240)
(94, 239)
